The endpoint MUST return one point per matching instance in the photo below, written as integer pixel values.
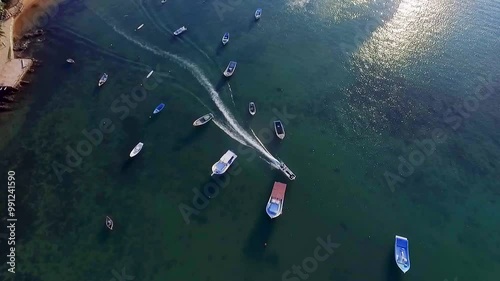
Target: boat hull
(274, 207)
(231, 67)
(221, 166)
(159, 108)
(402, 253)
(180, 31)
(252, 109)
(109, 223)
(279, 129)
(203, 120)
(136, 150)
(225, 39)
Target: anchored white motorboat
(225, 38)
(150, 73)
(274, 206)
(203, 119)
(109, 223)
(230, 68)
(139, 27)
(180, 30)
(70, 61)
(102, 80)
(279, 129)
(223, 164)
(402, 253)
(258, 13)
(136, 149)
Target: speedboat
(180, 30)
(103, 79)
(230, 68)
(251, 108)
(402, 253)
(279, 129)
(136, 149)
(286, 171)
(276, 201)
(225, 38)
(158, 109)
(139, 27)
(150, 73)
(223, 164)
(203, 119)
(70, 61)
(258, 13)
(109, 223)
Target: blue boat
(258, 13)
(230, 68)
(402, 253)
(159, 108)
(225, 38)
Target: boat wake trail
(203, 80)
(259, 140)
(231, 93)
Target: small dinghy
(258, 13)
(150, 73)
(274, 206)
(70, 61)
(402, 253)
(230, 68)
(203, 119)
(251, 108)
(109, 223)
(158, 109)
(103, 79)
(225, 38)
(221, 166)
(163, 1)
(139, 27)
(136, 149)
(279, 129)
(180, 30)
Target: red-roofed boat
(276, 201)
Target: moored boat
(203, 119)
(274, 207)
(103, 79)
(109, 223)
(230, 68)
(251, 108)
(136, 149)
(258, 13)
(163, 1)
(279, 129)
(402, 253)
(225, 38)
(70, 61)
(221, 166)
(284, 168)
(150, 73)
(180, 30)
(139, 27)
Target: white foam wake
(203, 80)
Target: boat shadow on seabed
(193, 136)
(255, 246)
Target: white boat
(103, 79)
(180, 30)
(163, 1)
(109, 223)
(150, 73)
(286, 171)
(139, 27)
(230, 68)
(258, 13)
(274, 206)
(402, 253)
(136, 149)
(70, 61)
(225, 38)
(203, 119)
(279, 129)
(251, 108)
(221, 166)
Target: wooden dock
(13, 71)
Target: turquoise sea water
(360, 85)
